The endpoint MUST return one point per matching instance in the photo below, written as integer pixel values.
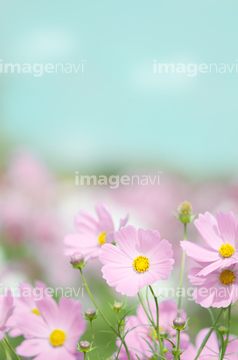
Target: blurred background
(116, 117)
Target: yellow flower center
(101, 238)
(226, 250)
(227, 277)
(57, 337)
(36, 311)
(141, 263)
(153, 333)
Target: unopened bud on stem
(174, 351)
(222, 329)
(77, 261)
(90, 314)
(117, 306)
(185, 212)
(84, 346)
(179, 323)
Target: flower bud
(179, 323)
(185, 212)
(84, 346)
(90, 314)
(174, 351)
(222, 329)
(163, 333)
(117, 306)
(77, 261)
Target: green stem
(208, 335)
(84, 355)
(145, 310)
(182, 273)
(93, 338)
(103, 316)
(178, 343)
(228, 332)
(6, 351)
(229, 323)
(11, 348)
(95, 304)
(125, 346)
(118, 321)
(148, 302)
(157, 322)
(118, 352)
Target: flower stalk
(103, 316)
(208, 335)
(157, 322)
(182, 273)
(11, 348)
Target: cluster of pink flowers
(132, 259)
(216, 279)
(140, 340)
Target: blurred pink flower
(92, 233)
(221, 236)
(54, 334)
(26, 191)
(29, 174)
(47, 226)
(6, 310)
(15, 216)
(217, 289)
(27, 303)
(141, 259)
(211, 349)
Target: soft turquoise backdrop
(118, 112)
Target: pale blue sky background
(118, 112)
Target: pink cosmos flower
(140, 259)
(140, 339)
(6, 310)
(27, 303)
(54, 334)
(211, 349)
(221, 236)
(92, 233)
(217, 289)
